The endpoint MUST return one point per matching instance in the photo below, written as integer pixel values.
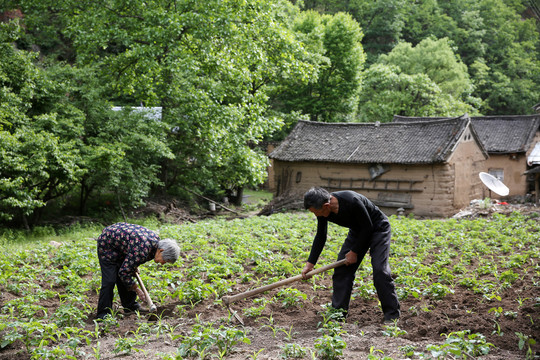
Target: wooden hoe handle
(230, 299)
(149, 302)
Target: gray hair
(316, 197)
(171, 251)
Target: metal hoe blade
(235, 314)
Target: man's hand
(351, 258)
(307, 268)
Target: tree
(387, 91)
(208, 64)
(510, 83)
(494, 40)
(39, 159)
(336, 52)
(382, 23)
(437, 60)
(498, 40)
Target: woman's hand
(140, 293)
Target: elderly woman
(121, 248)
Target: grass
(258, 196)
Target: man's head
(167, 251)
(317, 200)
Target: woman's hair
(316, 197)
(171, 251)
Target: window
(376, 170)
(498, 173)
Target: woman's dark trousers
(109, 278)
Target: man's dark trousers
(379, 250)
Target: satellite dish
(494, 184)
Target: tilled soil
(425, 322)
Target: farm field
(469, 289)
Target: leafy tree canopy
(334, 44)
(436, 59)
(388, 91)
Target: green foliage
(498, 40)
(207, 339)
(525, 343)
(208, 65)
(387, 91)
(393, 330)
(462, 344)
(39, 156)
(426, 80)
(293, 351)
(336, 52)
(329, 347)
(437, 60)
(291, 297)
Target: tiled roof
(499, 134)
(390, 143)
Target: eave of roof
(387, 143)
(500, 134)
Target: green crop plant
(408, 350)
(255, 354)
(291, 297)
(374, 354)
(525, 342)
(69, 315)
(293, 351)
(256, 311)
(54, 353)
(497, 311)
(125, 345)
(206, 340)
(108, 323)
(393, 330)
(289, 333)
(329, 347)
(437, 291)
(330, 315)
(498, 329)
(462, 345)
(271, 325)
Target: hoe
(151, 306)
(228, 300)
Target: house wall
(467, 161)
(429, 189)
(513, 167)
(270, 184)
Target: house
(508, 140)
(151, 113)
(427, 168)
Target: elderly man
(121, 248)
(369, 229)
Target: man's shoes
(390, 322)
